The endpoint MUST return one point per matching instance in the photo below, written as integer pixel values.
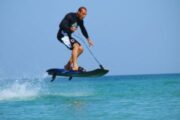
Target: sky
(130, 36)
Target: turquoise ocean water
(140, 97)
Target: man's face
(82, 14)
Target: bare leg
(77, 50)
(80, 50)
(74, 56)
(68, 66)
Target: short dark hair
(82, 8)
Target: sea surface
(137, 97)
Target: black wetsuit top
(71, 20)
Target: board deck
(70, 73)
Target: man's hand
(73, 29)
(90, 42)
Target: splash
(19, 90)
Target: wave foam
(18, 90)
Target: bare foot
(75, 67)
(67, 67)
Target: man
(67, 26)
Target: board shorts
(66, 40)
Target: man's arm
(83, 29)
(84, 32)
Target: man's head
(82, 12)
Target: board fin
(53, 77)
(70, 78)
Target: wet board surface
(71, 73)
